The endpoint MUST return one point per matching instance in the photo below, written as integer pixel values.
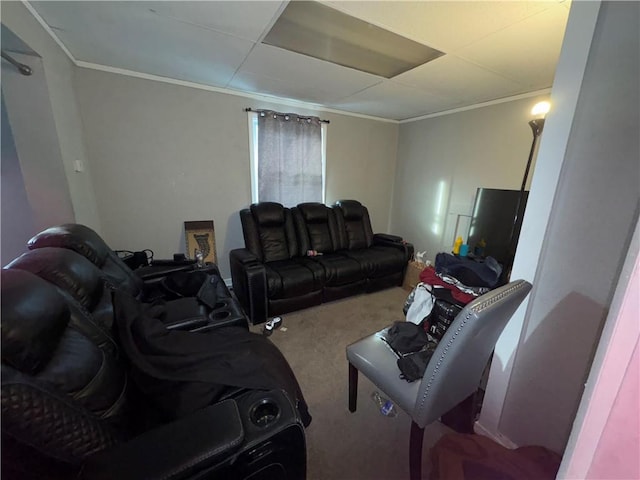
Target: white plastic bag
(420, 256)
(422, 304)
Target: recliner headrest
(351, 209)
(34, 317)
(76, 237)
(314, 212)
(268, 214)
(66, 269)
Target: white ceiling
(492, 50)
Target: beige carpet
(340, 444)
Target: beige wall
(16, 214)
(162, 154)
(361, 162)
(594, 213)
(59, 73)
(38, 153)
(443, 160)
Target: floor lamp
(539, 110)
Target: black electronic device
(496, 222)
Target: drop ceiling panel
(326, 33)
(526, 52)
(392, 100)
(246, 19)
(452, 77)
(445, 25)
(130, 36)
(286, 88)
(308, 72)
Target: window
(287, 158)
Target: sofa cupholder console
(264, 412)
(226, 312)
(271, 438)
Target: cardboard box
(412, 275)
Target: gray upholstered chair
(454, 371)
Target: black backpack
(412, 366)
(406, 337)
(413, 347)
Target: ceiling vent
(318, 31)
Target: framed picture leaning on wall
(200, 235)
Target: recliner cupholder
(264, 412)
(220, 315)
(219, 305)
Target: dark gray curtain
(289, 159)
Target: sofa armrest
(162, 268)
(243, 256)
(177, 450)
(249, 278)
(395, 241)
(387, 237)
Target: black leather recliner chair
(142, 282)
(69, 408)
(383, 257)
(317, 229)
(273, 274)
(83, 240)
(146, 283)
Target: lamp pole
(536, 128)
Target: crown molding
(536, 93)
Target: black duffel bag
(406, 337)
(471, 273)
(413, 347)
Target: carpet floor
(340, 444)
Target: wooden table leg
(353, 388)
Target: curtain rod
(22, 68)
(277, 113)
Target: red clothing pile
(428, 275)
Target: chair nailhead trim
(475, 309)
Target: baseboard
(495, 436)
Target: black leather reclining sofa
(275, 274)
